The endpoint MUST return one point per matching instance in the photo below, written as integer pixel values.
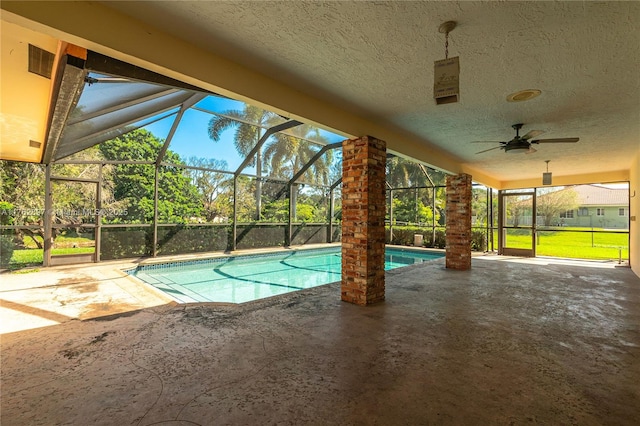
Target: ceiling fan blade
(556, 140)
(532, 134)
(531, 150)
(487, 142)
(490, 149)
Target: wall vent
(35, 144)
(40, 61)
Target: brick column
(363, 209)
(458, 217)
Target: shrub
(6, 212)
(404, 235)
(478, 240)
(6, 250)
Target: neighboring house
(598, 207)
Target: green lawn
(61, 241)
(31, 257)
(579, 245)
(64, 244)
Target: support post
(433, 218)
(47, 217)
(415, 205)
(98, 230)
(363, 211)
(292, 207)
(332, 207)
(391, 216)
(234, 235)
(501, 217)
(258, 185)
(154, 243)
(458, 222)
(490, 219)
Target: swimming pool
(239, 279)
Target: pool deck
(38, 297)
(512, 341)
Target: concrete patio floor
(511, 342)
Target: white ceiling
(376, 60)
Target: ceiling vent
(40, 61)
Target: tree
(133, 184)
(79, 198)
(283, 155)
(22, 185)
(22, 188)
(318, 199)
(215, 187)
(516, 210)
(403, 173)
(245, 201)
(552, 204)
(246, 136)
(278, 211)
(479, 206)
(335, 169)
(411, 211)
(289, 152)
(73, 202)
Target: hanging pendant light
(446, 85)
(546, 177)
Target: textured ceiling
(376, 59)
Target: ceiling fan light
(523, 95)
(516, 148)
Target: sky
(192, 139)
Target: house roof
(595, 195)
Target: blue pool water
(241, 279)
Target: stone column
(363, 210)
(458, 218)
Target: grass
(25, 271)
(30, 257)
(64, 244)
(577, 245)
(61, 241)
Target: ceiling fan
(523, 143)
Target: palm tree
(284, 156)
(246, 136)
(290, 151)
(402, 173)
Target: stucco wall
(634, 209)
